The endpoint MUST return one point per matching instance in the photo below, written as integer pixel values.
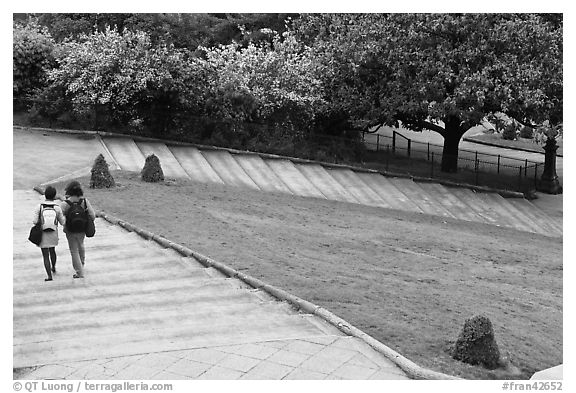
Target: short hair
(74, 189)
(50, 192)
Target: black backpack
(76, 217)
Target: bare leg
(46, 256)
(53, 258)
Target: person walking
(50, 214)
(77, 211)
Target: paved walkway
(144, 312)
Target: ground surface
(408, 280)
(520, 143)
(45, 156)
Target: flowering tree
(125, 74)
(441, 72)
(274, 81)
(32, 57)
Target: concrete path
(144, 312)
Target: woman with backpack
(49, 214)
(77, 211)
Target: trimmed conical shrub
(152, 171)
(476, 343)
(100, 175)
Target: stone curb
(472, 140)
(410, 368)
(504, 193)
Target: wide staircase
(310, 179)
(136, 297)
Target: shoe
(53, 270)
(77, 276)
(48, 279)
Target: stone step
(261, 173)
(356, 187)
(69, 324)
(513, 216)
(477, 205)
(127, 250)
(421, 198)
(111, 270)
(528, 219)
(37, 296)
(125, 152)
(228, 169)
(325, 183)
(159, 340)
(385, 188)
(195, 165)
(113, 299)
(294, 179)
(547, 224)
(26, 248)
(144, 299)
(170, 165)
(459, 209)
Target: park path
(145, 312)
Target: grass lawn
(522, 143)
(409, 280)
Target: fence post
(476, 171)
(520, 178)
(394, 142)
(535, 175)
(498, 167)
(432, 166)
(409, 144)
(377, 142)
(387, 156)
(428, 155)
(525, 167)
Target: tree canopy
(442, 72)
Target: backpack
(49, 218)
(76, 217)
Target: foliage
(125, 79)
(476, 343)
(180, 29)
(443, 72)
(100, 174)
(509, 132)
(152, 171)
(547, 131)
(32, 57)
(273, 82)
(527, 132)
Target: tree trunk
(452, 137)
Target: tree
(32, 57)
(152, 170)
(131, 80)
(100, 176)
(183, 30)
(274, 82)
(441, 72)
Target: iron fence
(477, 168)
